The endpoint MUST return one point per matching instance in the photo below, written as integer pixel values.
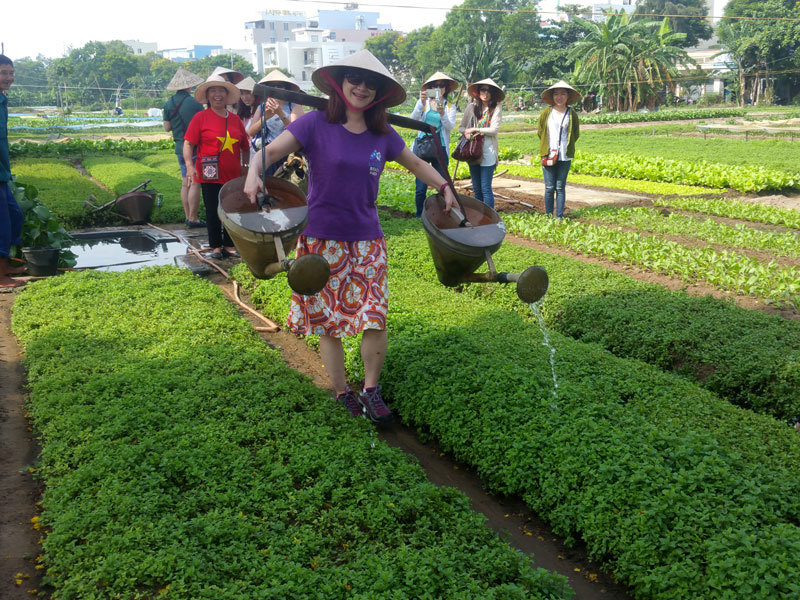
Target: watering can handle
(440, 159)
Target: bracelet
(442, 188)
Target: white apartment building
(313, 43)
(138, 47)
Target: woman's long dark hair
(244, 111)
(376, 118)
(479, 103)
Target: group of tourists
(347, 146)
(214, 145)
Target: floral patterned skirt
(356, 296)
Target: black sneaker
(374, 406)
(350, 402)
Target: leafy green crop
(76, 148)
(737, 209)
(697, 172)
(706, 230)
(64, 190)
(181, 458)
(724, 269)
(680, 494)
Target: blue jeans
(482, 183)
(555, 181)
(10, 220)
(421, 190)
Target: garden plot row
(64, 189)
(181, 458)
(740, 236)
(679, 493)
(713, 177)
(725, 269)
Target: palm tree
(629, 63)
(473, 62)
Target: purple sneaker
(350, 402)
(374, 406)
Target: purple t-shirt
(344, 169)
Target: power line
(545, 12)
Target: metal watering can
(460, 241)
(264, 233)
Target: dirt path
(18, 490)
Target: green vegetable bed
(681, 494)
(123, 174)
(181, 458)
(63, 189)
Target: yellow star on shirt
(227, 142)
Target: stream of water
(536, 309)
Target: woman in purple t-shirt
(347, 147)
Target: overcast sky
(51, 27)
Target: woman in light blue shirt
(434, 108)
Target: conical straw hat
(472, 88)
(246, 84)
(183, 80)
(216, 81)
(440, 76)
(276, 76)
(366, 61)
(228, 74)
(574, 96)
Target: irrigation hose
(272, 327)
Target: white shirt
(557, 130)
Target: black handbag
(425, 147)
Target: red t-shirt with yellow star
(214, 135)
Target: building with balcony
(314, 42)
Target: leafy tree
(408, 47)
(551, 61)
(384, 47)
(30, 82)
(695, 27)
(473, 62)
(628, 63)
(758, 48)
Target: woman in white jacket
(483, 117)
(434, 108)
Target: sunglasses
(356, 79)
(437, 84)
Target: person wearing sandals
(178, 112)
(272, 115)
(434, 108)
(558, 131)
(483, 117)
(222, 148)
(347, 146)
